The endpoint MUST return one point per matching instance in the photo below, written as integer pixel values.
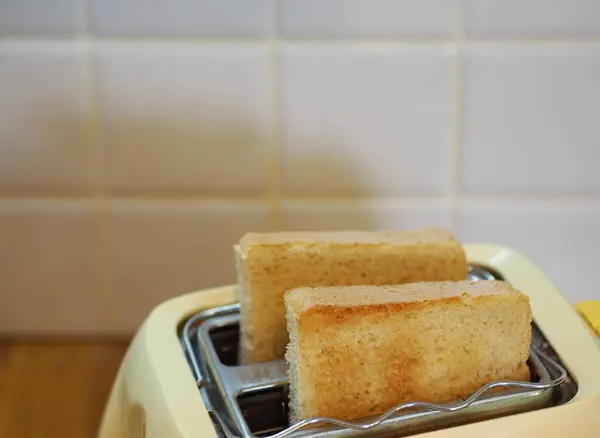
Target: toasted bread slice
(270, 264)
(359, 351)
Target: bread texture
(359, 351)
(270, 264)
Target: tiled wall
(140, 138)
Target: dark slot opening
(226, 340)
(265, 411)
(533, 376)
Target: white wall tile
(55, 17)
(364, 120)
(44, 125)
(185, 117)
(533, 18)
(50, 269)
(366, 215)
(368, 19)
(532, 120)
(200, 18)
(561, 239)
(164, 249)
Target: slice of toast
(270, 264)
(359, 351)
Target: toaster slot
(265, 411)
(225, 341)
(251, 400)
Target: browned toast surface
(358, 351)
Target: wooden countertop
(55, 389)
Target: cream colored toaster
(180, 378)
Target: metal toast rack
(250, 401)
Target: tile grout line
(458, 116)
(342, 41)
(95, 197)
(103, 232)
(275, 156)
(592, 200)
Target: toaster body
(179, 377)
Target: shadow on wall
(45, 152)
(182, 247)
(164, 249)
(317, 187)
(223, 155)
(162, 236)
(180, 239)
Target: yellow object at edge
(590, 311)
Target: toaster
(180, 376)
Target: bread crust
(278, 238)
(269, 264)
(358, 351)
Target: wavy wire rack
(447, 407)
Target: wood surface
(55, 388)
